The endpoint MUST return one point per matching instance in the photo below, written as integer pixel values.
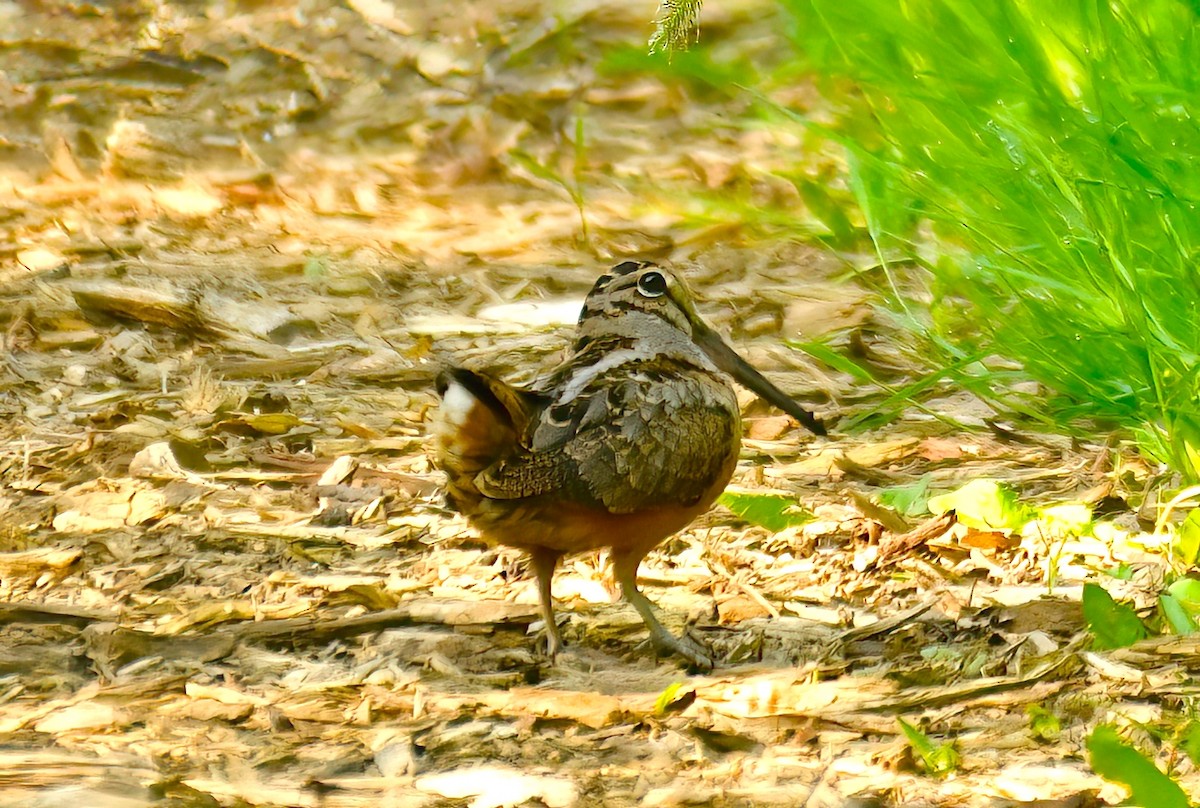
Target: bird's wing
(639, 435)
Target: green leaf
(271, 423)
(1181, 605)
(537, 168)
(938, 759)
(1188, 592)
(1187, 539)
(984, 504)
(772, 511)
(1190, 741)
(1176, 615)
(1114, 625)
(1121, 572)
(1043, 724)
(315, 268)
(908, 500)
(1113, 759)
(1072, 519)
(670, 699)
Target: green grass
(1048, 153)
(1114, 759)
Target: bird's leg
(625, 567)
(544, 562)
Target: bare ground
(238, 238)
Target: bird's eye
(652, 284)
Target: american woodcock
(620, 446)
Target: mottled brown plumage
(621, 446)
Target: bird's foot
(550, 641)
(667, 644)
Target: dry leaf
(383, 14)
(769, 427)
(146, 506)
(189, 201)
(157, 460)
(988, 540)
(225, 695)
(499, 787)
(39, 259)
(85, 715)
(824, 462)
(339, 471)
(266, 423)
(163, 306)
(734, 608)
(935, 449)
(88, 509)
(31, 563)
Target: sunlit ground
(238, 241)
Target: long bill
(724, 357)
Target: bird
(624, 443)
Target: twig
(896, 547)
(749, 590)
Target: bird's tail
(480, 422)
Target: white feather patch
(582, 376)
(457, 403)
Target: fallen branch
(894, 548)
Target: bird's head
(621, 299)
